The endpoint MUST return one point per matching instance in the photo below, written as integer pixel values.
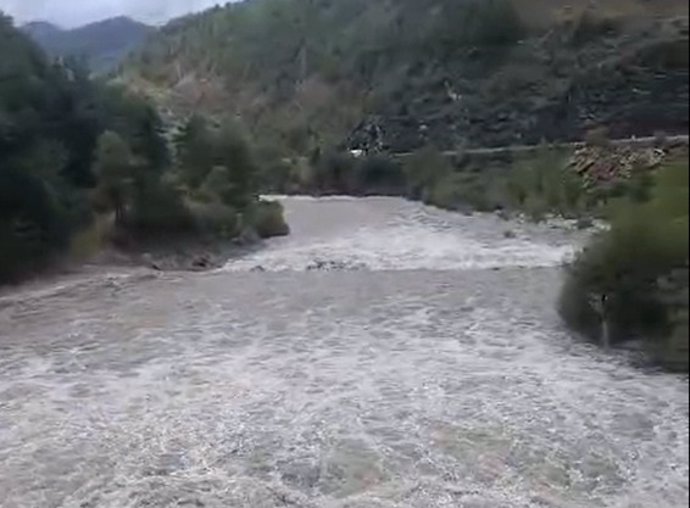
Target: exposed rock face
(397, 75)
(367, 138)
(550, 89)
(606, 164)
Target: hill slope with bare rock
(312, 74)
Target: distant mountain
(103, 44)
(39, 30)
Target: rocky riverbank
(576, 180)
(192, 255)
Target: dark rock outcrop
(547, 89)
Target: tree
(115, 169)
(65, 137)
(218, 185)
(43, 112)
(234, 152)
(194, 151)
(31, 229)
(139, 124)
(638, 269)
(146, 138)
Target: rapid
(385, 355)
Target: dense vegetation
(639, 271)
(71, 148)
(311, 79)
(545, 181)
(305, 74)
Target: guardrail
(651, 141)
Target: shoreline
(184, 256)
(190, 254)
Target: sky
(72, 13)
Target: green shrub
(432, 178)
(445, 193)
(276, 176)
(464, 191)
(216, 220)
(235, 153)
(158, 208)
(33, 226)
(673, 350)
(647, 244)
(598, 136)
(268, 220)
(423, 169)
(536, 207)
(380, 174)
(194, 150)
(218, 186)
(90, 240)
(23, 248)
(544, 185)
(537, 186)
(575, 307)
(637, 188)
(335, 171)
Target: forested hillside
(482, 73)
(102, 45)
(73, 150)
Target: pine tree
(115, 167)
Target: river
(385, 355)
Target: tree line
(73, 148)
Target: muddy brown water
(422, 366)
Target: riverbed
(385, 355)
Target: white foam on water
(399, 387)
(406, 248)
(396, 235)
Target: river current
(385, 355)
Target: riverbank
(631, 282)
(205, 239)
(640, 285)
(576, 180)
(182, 257)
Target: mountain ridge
(306, 73)
(103, 44)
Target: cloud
(70, 13)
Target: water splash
(378, 388)
(397, 235)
